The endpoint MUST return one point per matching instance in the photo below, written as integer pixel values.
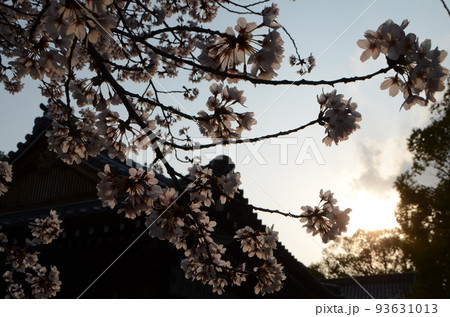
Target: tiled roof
(65, 211)
(233, 215)
(385, 286)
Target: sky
(289, 172)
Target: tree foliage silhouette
(424, 209)
(362, 254)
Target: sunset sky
(288, 173)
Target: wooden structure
(94, 236)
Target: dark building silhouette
(94, 236)
(383, 286)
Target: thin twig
(446, 8)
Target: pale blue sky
(359, 171)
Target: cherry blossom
(112, 128)
(260, 244)
(24, 261)
(395, 85)
(97, 63)
(339, 117)
(203, 195)
(199, 265)
(20, 260)
(230, 51)
(15, 290)
(74, 142)
(5, 176)
(269, 57)
(270, 14)
(418, 68)
(166, 216)
(371, 45)
(229, 184)
(106, 188)
(3, 241)
(238, 275)
(218, 125)
(44, 284)
(325, 219)
(45, 230)
(140, 187)
(141, 191)
(270, 277)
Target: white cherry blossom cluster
(229, 184)
(178, 223)
(186, 224)
(91, 94)
(339, 117)
(14, 289)
(257, 243)
(3, 241)
(5, 176)
(204, 263)
(264, 52)
(140, 188)
(19, 259)
(218, 125)
(142, 192)
(107, 188)
(199, 11)
(23, 275)
(44, 284)
(75, 141)
(204, 176)
(45, 230)
(113, 133)
(167, 219)
(87, 135)
(52, 30)
(326, 219)
(87, 20)
(418, 66)
(140, 195)
(219, 273)
(270, 277)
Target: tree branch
(131, 112)
(255, 80)
(446, 8)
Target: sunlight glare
(372, 212)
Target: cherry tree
(93, 57)
(23, 275)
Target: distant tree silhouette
(424, 210)
(364, 253)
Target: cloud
(381, 163)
